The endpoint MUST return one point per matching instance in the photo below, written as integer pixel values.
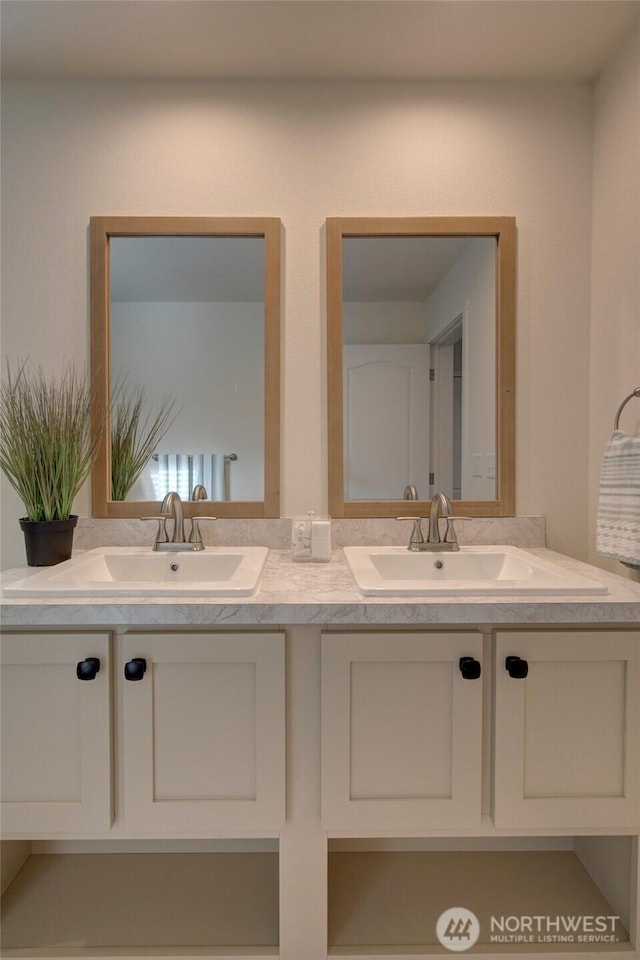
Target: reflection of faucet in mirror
(410, 492)
(199, 492)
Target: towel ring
(616, 422)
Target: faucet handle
(161, 536)
(450, 531)
(196, 536)
(417, 535)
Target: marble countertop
(324, 593)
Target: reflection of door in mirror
(386, 438)
(420, 313)
(189, 309)
(187, 319)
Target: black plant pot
(48, 541)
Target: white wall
(396, 321)
(615, 282)
(302, 152)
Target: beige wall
(303, 152)
(615, 277)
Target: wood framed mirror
(421, 364)
(189, 309)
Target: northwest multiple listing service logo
(458, 929)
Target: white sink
(471, 571)
(138, 571)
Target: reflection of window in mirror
(423, 325)
(189, 309)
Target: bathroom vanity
(308, 772)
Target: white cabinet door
(567, 736)
(56, 734)
(401, 731)
(203, 732)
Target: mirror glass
(191, 318)
(187, 321)
(420, 314)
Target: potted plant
(47, 448)
(135, 434)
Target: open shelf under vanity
(385, 897)
(143, 904)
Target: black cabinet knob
(516, 667)
(470, 668)
(135, 669)
(87, 669)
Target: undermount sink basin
(471, 571)
(139, 571)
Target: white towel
(618, 528)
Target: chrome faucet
(172, 507)
(199, 492)
(440, 508)
(410, 492)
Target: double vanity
(481, 571)
(402, 752)
(248, 756)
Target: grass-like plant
(46, 442)
(135, 434)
